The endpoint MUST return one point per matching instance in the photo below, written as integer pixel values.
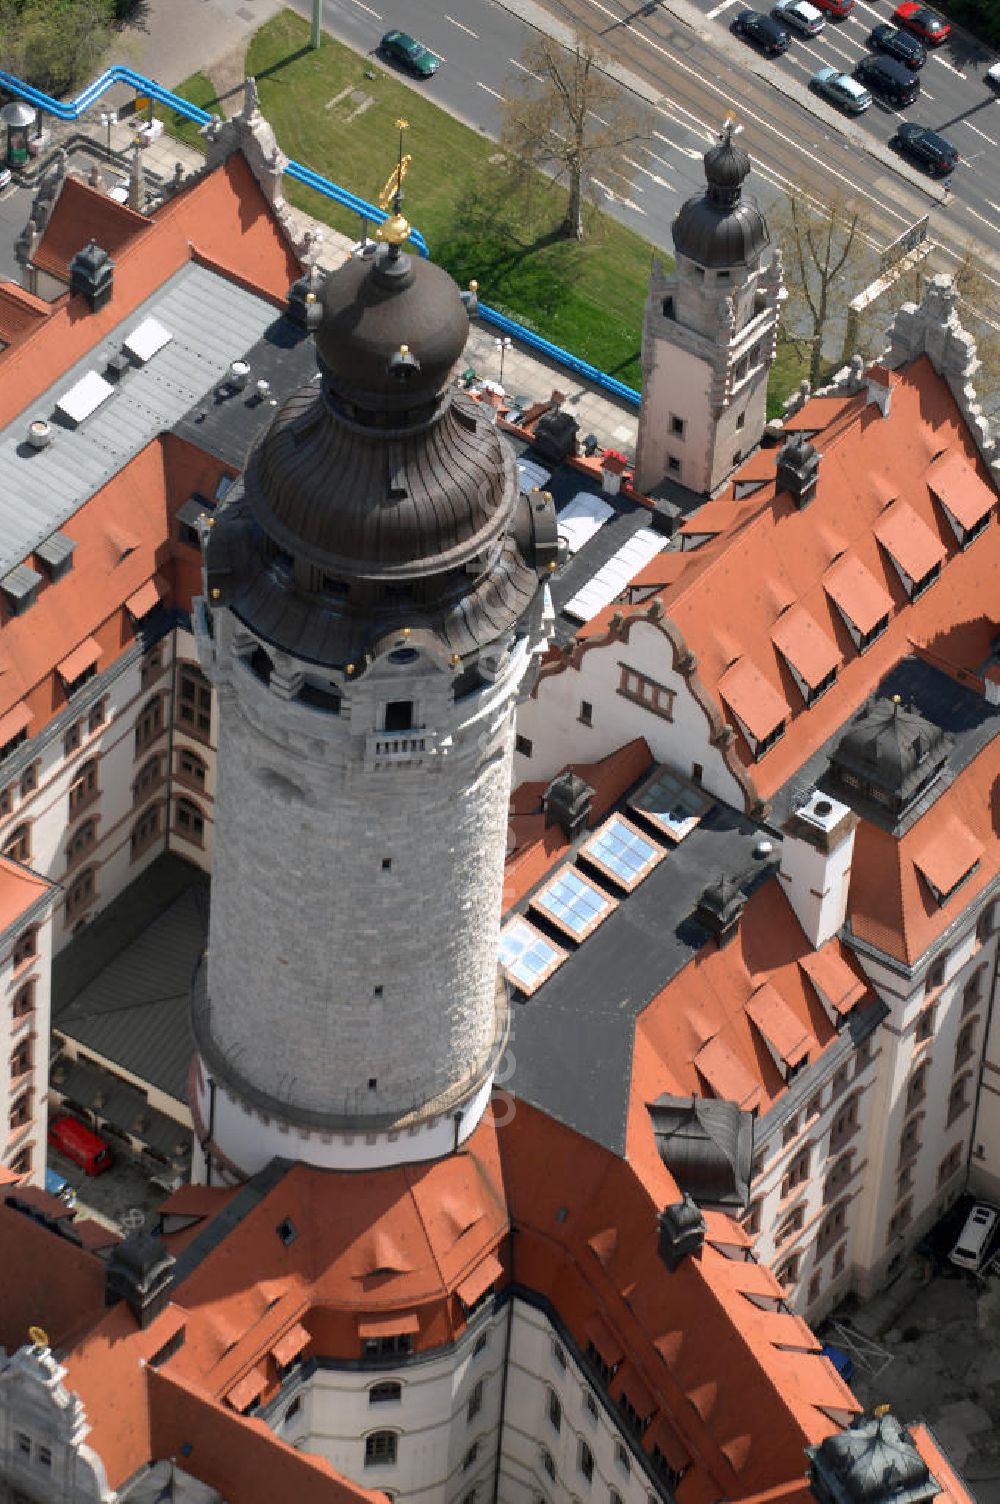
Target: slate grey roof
(135, 1011)
(874, 1462)
(212, 321)
(707, 1146)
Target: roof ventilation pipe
(91, 274)
(798, 471)
(39, 433)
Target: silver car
(842, 90)
(800, 16)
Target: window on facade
(787, 1273)
(797, 1172)
(149, 776)
(839, 1260)
(950, 1165)
(622, 1457)
(23, 1444)
(80, 894)
(20, 1061)
(20, 1112)
(815, 1286)
(522, 744)
(17, 846)
(646, 692)
(385, 1394)
(152, 666)
(548, 1463)
(194, 701)
(145, 830)
(26, 945)
(917, 1088)
(904, 1182)
(97, 716)
(29, 780)
(21, 1163)
(585, 1461)
(6, 801)
(380, 1447)
(81, 840)
(909, 1139)
(149, 724)
(815, 1105)
(24, 1000)
(676, 426)
(590, 1404)
(191, 767)
(864, 1054)
(72, 739)
(482, 1343)
(832, 1227)
(73, 686)
(958, 1097)
(965, 1045)
(470, 1457)
(673, 465)
(596, 1362)
(790, 1130)
(935, 975)
(44, 1457)
(789, 1226)
(973, 990)
(900, 1219)
(293, 1410)
(84, 788)
(987, 922)
(845, 1124)
(475, 1401)
(751, 1222)
(925, 1026)
(586, 713)
(614, 1497)
(554, 1409)
(838, 1177)
(189, 820)
(398, 1345)
(559, 1354)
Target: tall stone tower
(709, 334)
(372, 610)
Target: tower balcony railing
(391, 749)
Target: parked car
(974, 1239)
(80, 1144)
(926, 146)
(406, 50)
(922, 22)
(992, 77)
(762, 32)
(800, 16)
(901, 45)
(841, 1360)
(888, 79)
(842, 90)
(836, 8)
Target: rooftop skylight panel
(581, 518)
(527, 956)
(671, 804)
(146, 339)
(573, 903)
(611, 579)
(622, 852)
(84, 398)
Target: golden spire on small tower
(396, 229)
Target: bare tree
(564, 115)
(827, 261)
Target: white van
(969, 1251)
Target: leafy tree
(55, 44)
(565, 116)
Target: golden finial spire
(396, 229)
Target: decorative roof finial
(39, 1337)
(730, 128)
(396, 229)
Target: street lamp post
(107, 120)
(502, 345)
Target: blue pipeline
(72, 110)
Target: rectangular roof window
(611, 579)
(671, 804)
(146, 339)
(84, 398)
(622, 852)
(526, 956)
(581, 518)
(574, 904)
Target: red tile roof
(956, 482)
(20, 890)
(82, 214)
(751, 698)
(856, 591)
(909, 540)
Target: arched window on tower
(380, 1448)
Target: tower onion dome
(387, 496)
(719, 228)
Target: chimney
(880, 383)
(568, 802)
(798, 471)
(140, 1271)
(815, 867)
(91, 273)
(719, 909)
(682, 1232)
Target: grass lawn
(335, 111)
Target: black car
(927, 147)
(762, 32)
(898, 44)
(894, 84)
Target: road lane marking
(362, 6)
(717, 11)
(487, 90)
(461, 26)
(524, 69)
(978, 132)
(945, 64)
(760, 120)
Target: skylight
(526, 956)
(621, 851)
(671, 804)
(84, 398)
(146, 339)
(581, 518)
(573, 903)
(611, 579)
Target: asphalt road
(694, 75)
